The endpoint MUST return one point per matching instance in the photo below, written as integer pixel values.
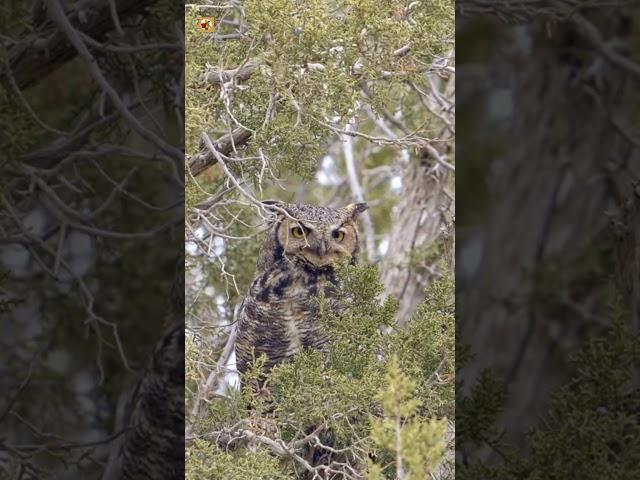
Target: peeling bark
(423, 216)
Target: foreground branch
(204, 159)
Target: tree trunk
(554, 193)
(422, 217)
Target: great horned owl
(278, 316)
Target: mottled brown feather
(279, 315)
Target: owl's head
(320, 235)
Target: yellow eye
(338, 235)
(297, 232)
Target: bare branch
(216, 76)
(593, 35)
(199, 162)
(59, 17)
(204, 391)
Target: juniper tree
(322, 102)
(340, 400)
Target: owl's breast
(293, 290)
(280, 314)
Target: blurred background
(547, 232)
(91, 215)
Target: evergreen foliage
(304, 53)
(368, 386)
(417, 444)
(591, 429)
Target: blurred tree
(548, 232)
(91, 194)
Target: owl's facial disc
(325, 246)
(321, 244)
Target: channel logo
(206, 24)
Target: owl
(279, 314)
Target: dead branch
(204, 159)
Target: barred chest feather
(279, 316)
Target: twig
(59, 17)
(593, 35)
(205, 390)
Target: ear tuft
(355, 209)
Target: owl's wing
(242, 341)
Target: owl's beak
(322, 249)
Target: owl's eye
(297, 232)
(338, 235)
